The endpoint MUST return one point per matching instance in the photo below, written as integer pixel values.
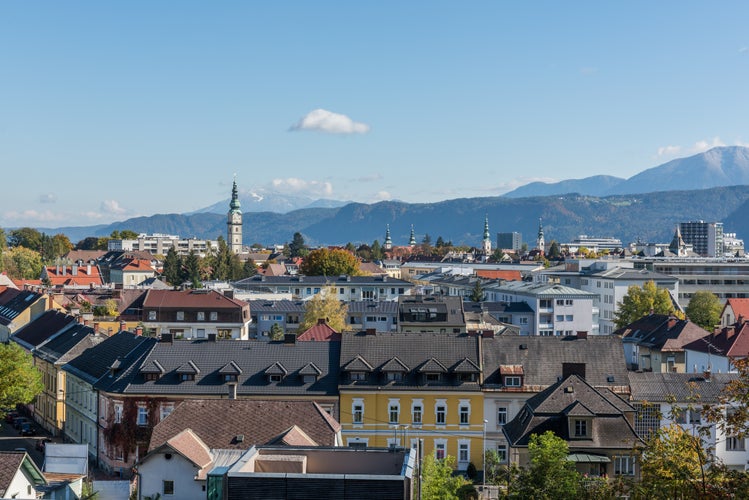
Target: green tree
(193, 270)
(440, 242)
(704, 309)
(640, 301)
(554, 252)
(438, 480)
(20, 381)
(125, 234)
(377, 252)
(350, 248)
(325, 262)
(477, 294)
(297, 247)
(26, 237)
(276, 332)
(55, 246)
(221, 261)
(89, 243)
(173, 272)
(324, 305)
(249, 268)
(550, 475)
(3, 240)
(22, 263)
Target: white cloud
(112, 207)
(322, 120)
(27, 216)
(670, 152)
(701, 146)
(294, 185)
(382, 196)
(47, 198)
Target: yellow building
(19, 307)
(400, 389)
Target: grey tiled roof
(95, 362)
(573, 397)
(252, 358)
(279, 306)
(373, 307)
(420, 352)
(43, 328)
(69, 344)
(542, 359)
(662, 332)
(300, 280)
(684, 387)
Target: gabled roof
(740, 308)
(321, 332)
(73, 275)
(276, 369)
(13, 461)
(241, 417)
(683, 387)
(358, 364)
(572, 397)
(152, 366)
(542, 360)
(662, 332)
(191, 447)
(432, 366)
(394, 365)
(310, 369)
(293, 436)
(189, 367)
(230, 368)
(69, 344)
(251, 357)
(189, 299)
(727, 342)
(14, 302)
(43, 328)
(465, 365)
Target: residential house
(195, 314)
(518, 314)
(516, 368)
(665, 398)
(75, 276)
(347, 287)
(597, 425)
(716, 351)
(143, 390)
(188, 445)
(656, 342)
(84, 374)
(380, 315)
(313, 472)
(734, 311)
(19, 476)
(19, 307)
(265, 313)
(431, 314)
(131, 273)
(118, 258)
(558, 310)
(49, 358)
(398, 388)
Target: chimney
(289, 339)
(321, 321)
(96, 327)
(123, 326)
(85, 322)
(229, 294)
(672, 322)
(487, 334)
(232, 390)
(51, 302)
(88, 269)
(63, 270)
(74, 270)
(79, 319)
(582, 335)
(211, 337)
(166, 338)
(371, 331)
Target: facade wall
(81, 402)
(21, 488)
(157, 470)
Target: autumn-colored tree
(20, 380)
(324, 305)
(327, 262)
(641, 301)
(704, 309)
(22, 263)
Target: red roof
(740, 308)
(321, 332)
(73, 275)
(138, 265)
(190, 299)
(725, 342)
(499, 275)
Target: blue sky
(112, 110)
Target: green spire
(487, 236)
(412, 239)
(234, 205)
(388, 240)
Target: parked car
(27, 429)
(10, 416)
(18, 421)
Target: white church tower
(487, 243)
(234, 222)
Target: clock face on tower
(236, 218)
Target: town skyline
(115, 112)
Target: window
(142, 415)
(201, 333)
(624, 465)
(274, 378)
(357, 443)
(201, 316)
(512, 381)
(545, 303)
(440, 411)
(118, 413)
(695, 417)
(166, 410)
(464, 413)
(560, 317)
(214, 316)
(168, 487)
(358, 376)
(569, 317)
(357, 411)
(568, 302)
(152, 315)
(394, 409)
(440, 448)
(187, 377)
(502, 415)
(432, 377)
(581, 428)
(224, 333)
(463, 452)
(560, 302)
(734, 443)
(523, 321)
(502, 453)
(416, 411)
(394, 376)
(230, 377)
(180, 315)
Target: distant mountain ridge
(260, 200)
(720, 166)
(650, 217)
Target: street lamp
(483, 461)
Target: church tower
(388, 241)
(487, 243)
(412, 239)
(234, 222)
(540, 242)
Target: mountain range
(687, 189)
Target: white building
(159, 244)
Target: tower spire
(487, 242)
(540, 242)
(234, 221)
(388, 241)
(412, 239)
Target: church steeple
(540, 242)
(234, 221)
(487, 243)
(412, 239)
(388, 241)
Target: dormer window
(432, 377)
(186, 377)
(276, 372)
(201, 316)
(180, 315)
(394, 369)
(230, 372)
(275, 378)
(580, 427)
(230, 377)
(354, 376)
(394, 376)
(310, 373)
(512, 381)
(187, 371)
(511, 375)
(150, 377)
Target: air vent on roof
(610, 379)
(240, 438)
(569, 389)
(523, 347)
